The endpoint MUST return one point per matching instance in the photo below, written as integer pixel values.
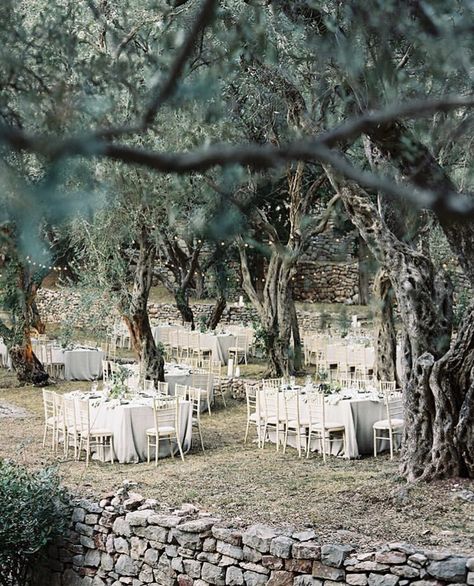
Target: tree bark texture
(437, 381)
(385, 334)
(364, 272)
(182, 303)
(135, 313)
(216, 313)
(28, 368)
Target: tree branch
(168, 88)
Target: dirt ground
(364, 502)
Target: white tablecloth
(128, 423)
(218, 343)
(80, 363)
(357, 415)
(6, 361)
(176, 374)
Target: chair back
(59, 405)
(194, 395)
(181, 391)
(215, 368)
(70, 416)
(166, 413)
(270, 402)
(162, 388)
(251, 398)
(394, 405)
(49, 404)
(316, 408)
(292, 405)
(105, 371)
(83, 416)
(201, 380)
(241, 341)
(149, 385)
(274, 383)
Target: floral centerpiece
(119, 388)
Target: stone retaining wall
(127, 540)
(55, 306)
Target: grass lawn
(362, 501)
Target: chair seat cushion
(96, 432)
(329, 426)
(166, 429)
(383, 424)
(293, 423)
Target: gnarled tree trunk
(437, 380)
(28, 368)
(385, 335)
(182, 303)
(295, 331)
(135, 313)
(364, 273)
(216, 313)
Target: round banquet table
(80, 363)
(129, 422)
(357, 414)
(219, 344)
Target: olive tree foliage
(387, 80)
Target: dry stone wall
(127, 540)
(56, 306)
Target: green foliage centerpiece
(120, 389)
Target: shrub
(35, 511)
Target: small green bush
(34, 512)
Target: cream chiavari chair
(162, 388)
(240, 349)
(195, 397)
(387, 429)
(293, 420)
(215, 368)
(72, 435)
(202, 380)
(148, 386)
(272, 414)
(174, 344)
(183, 343)
(89, 436)
(353, 383)
(274, 383)
(205, 363)
(60, 419)
(180, 391)
(325, 431)
(50, 417)
(105, 371)
(196, 347)
(254, 413)
(166, 412)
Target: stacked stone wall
(57, 306)
(127, 540)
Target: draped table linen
(219, 344)
(129, 422)
(357, 414)
(80, 363)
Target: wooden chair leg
(200, 437)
